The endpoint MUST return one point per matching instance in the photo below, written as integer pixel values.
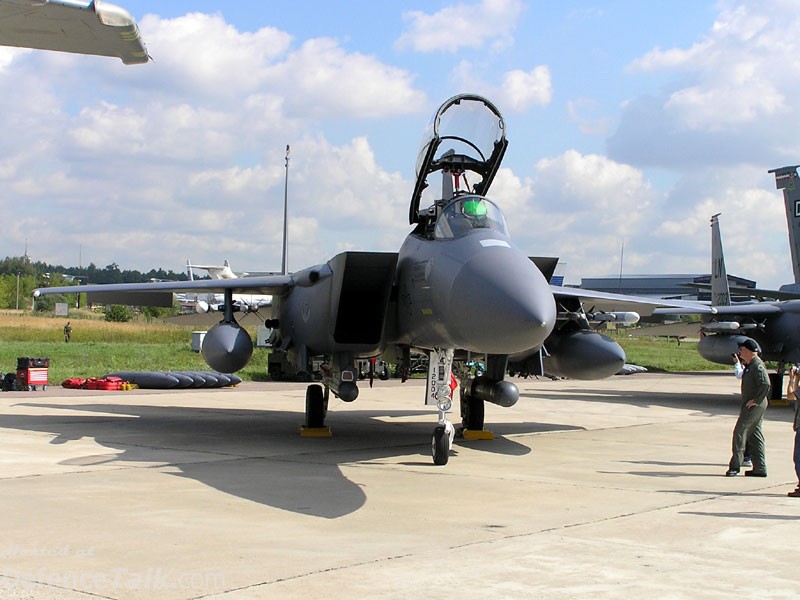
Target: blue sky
(629, 123)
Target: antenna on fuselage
(284, 266)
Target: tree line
(19, 276)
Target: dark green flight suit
(755, 386)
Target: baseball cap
(749, 344)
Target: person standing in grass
(67, 332)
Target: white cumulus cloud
(458, 26)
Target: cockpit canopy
(466, 214)
(467, 133)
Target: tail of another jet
(215, 271)
(786, 180)
(720, 292)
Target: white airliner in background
(213, 302)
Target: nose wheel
(442, 443)
(443, 434)
(438, 393)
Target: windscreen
(467, 214)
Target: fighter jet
(458, 289)
(91, 27)
(773, 325)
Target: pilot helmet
(474, 207)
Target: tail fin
(720, 293)
(786, 180)
(189, 269)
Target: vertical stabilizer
(720, 292)
(786, 180)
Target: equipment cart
(31, 372)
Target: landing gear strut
(440, 363)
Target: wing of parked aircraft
(91, 27)
(574, 349)
(605, 302)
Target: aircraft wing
(754, 309)
(127, 293)
(783, 294)
(84, 27)
(607, 302)
(745, 309)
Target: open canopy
(467, 133)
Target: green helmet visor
(474, 208)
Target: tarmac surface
(605, 489)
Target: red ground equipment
(31, 372)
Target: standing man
(796, 493)
(67, 332)
(755, 392)
(738, 370)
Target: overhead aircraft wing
(607, 302)
(83, 27)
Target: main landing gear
(472, 412)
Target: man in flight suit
(755, 392)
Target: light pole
(284, 262)
(17, 290)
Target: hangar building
(676, 286)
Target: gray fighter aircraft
(773, 325)
(458, 289)
(91, 27)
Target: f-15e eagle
(774, 324)
(458, 289)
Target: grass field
(662, 354)
(99, 347)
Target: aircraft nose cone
(501, 303)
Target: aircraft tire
(472, 412)
(315, 406)
(440, 446)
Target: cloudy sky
(630, 123)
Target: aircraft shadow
(257, 455)
(742, 515)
